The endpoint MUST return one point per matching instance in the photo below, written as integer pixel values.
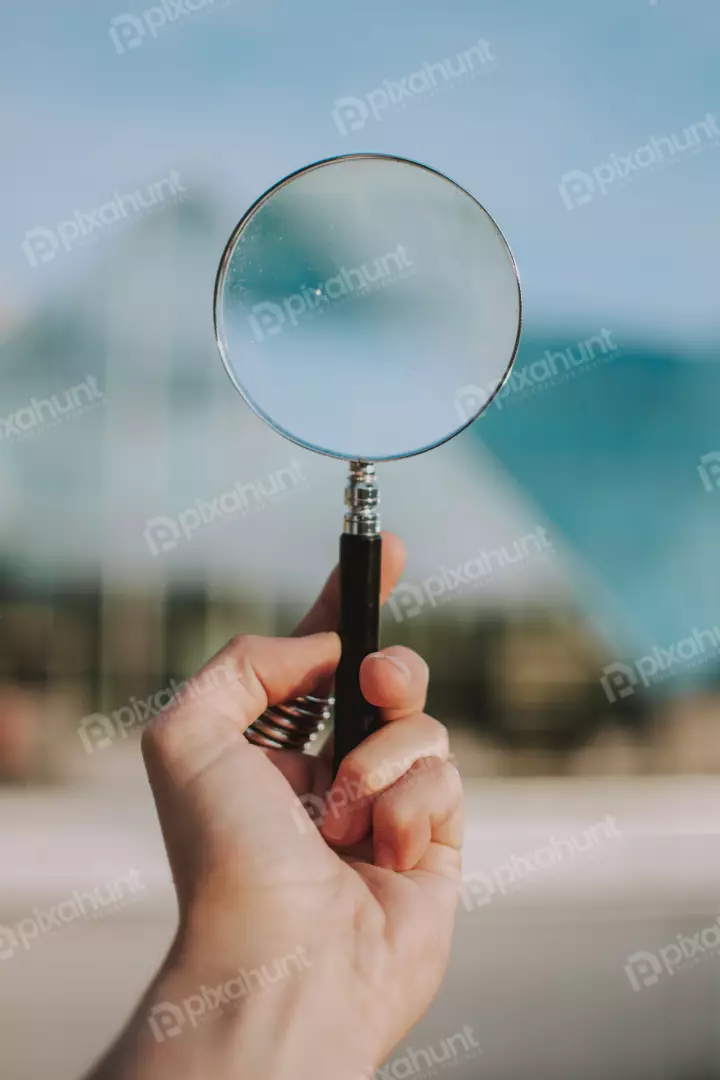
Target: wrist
(284, 1018)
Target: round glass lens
(367, 307)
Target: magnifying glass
(367, 308)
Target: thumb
(222, 804)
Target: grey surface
(538, 974)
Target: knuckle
(244, 650)
(441, 778)
(436, 739)
(393, 813)
(428, 765)
(451, 780)
(241, 644)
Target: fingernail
(402, 668)
(384, 857)
(334, 822)
(333, 830)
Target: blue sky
(237, 95)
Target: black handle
(355, 719)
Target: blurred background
(580, 675)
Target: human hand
(367, 902)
